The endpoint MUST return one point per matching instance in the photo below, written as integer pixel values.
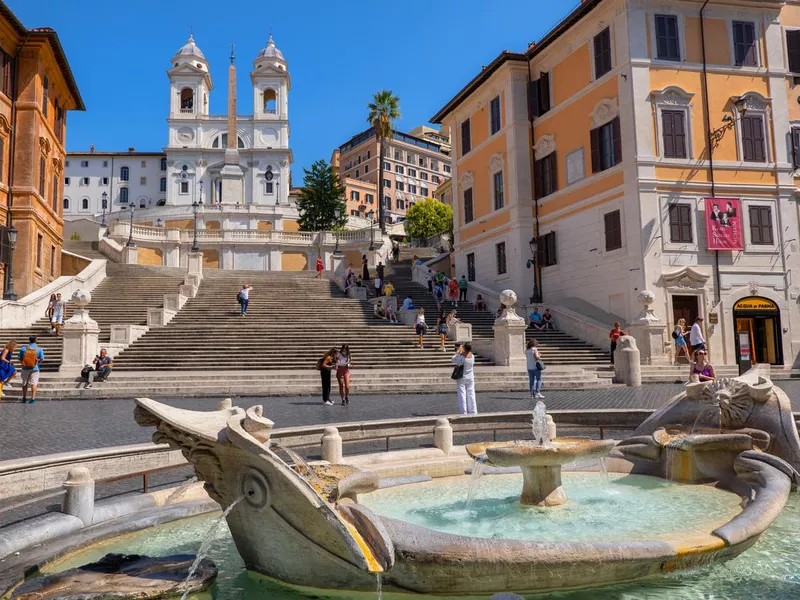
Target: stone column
(509, 334)
(650, 332)
(80, 336)
(627, 364)
(130, 255)
(443, 435)
(196, 264)
(332, 446)
(79, 495)
(337, 270)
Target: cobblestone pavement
(65, 425)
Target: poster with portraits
(724, 224)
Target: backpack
(30, 358)
(85, 372)
(319, 363)
(674, 335)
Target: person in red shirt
(614, 335)
(319, 268)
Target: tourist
(364, 268)
(452, 287)
(679, 335)
(359, 282)
(378, 286)
(700, 369)
(396, 253)
(441, 329)
(320, 268)
(102, 368)
(343, 363)
(388, 289)
(500, 311)
(420, 326)
(391, 315)
(696, 338)
(30, 357)
(57, 319)
(462, 289)
(381, 270)
(464, 375)
(349, 277)
(547, 319)
(50, 306)
(438, 295)
(379, 312)
(408, 304)
(325, 365)
(7, 369)
(243, 298)
(613, 336)
(417, 260)
(536, 322)
(480, 304)
(535, 368)
(429, 279)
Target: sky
(338, 53)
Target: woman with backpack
(420, 326)
(535, 367)
(325, 365)
(50, 307)
(464, 374)
(441, 329)
(343, 363)
(243, 298)
(680, 341)
(7, 369)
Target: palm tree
(383, 110)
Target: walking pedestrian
(380, 269)
(30, 357)
(396, 253)
(438, 295)
(696, 337)
(429, 279)
(378, 286)
(320, 268)
(325, 365)
(7, 369)
(452, 287)
(679, 335)
(243, 298)
(50, 306)
(614, 335)
(102, 368)
(57, 320)
(535, 368)
(420, 326)
(463, 284)
(464, 374)
(441, 329)
(343, 363)
(364, 268)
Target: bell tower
(190, 82)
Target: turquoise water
(769, 571)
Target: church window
(123, 195)
(163, 164)
(124, 174)
(270, 102)
(184, 187)
(163, 184)
(142, 180)
(85, 204)
(66, 203)
(187, 100)
(144, 164)
(222, 141)
(268, 187)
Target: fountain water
(180, 490)
(302, 465)
(541, 431)
(379, 585)
(602, 462)
(477, 471)
(206, 545)
(709, 418)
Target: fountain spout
(541, 429)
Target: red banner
(723, 224)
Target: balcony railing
(187, 111)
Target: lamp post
(371, 216)
(195, 206)
(12, 243)
(130, 243)
(338, 213)
(534, 245)
(104, 204)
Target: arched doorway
(758, 330)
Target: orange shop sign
(755, 304)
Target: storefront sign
(755, 304)
(713, 318)
(723, 224)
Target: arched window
(163, 184)
(187, 100)
(221, 141)
(85, 204)
(123, 195)
(163, 164)
(66, 203)
(124, 174)
(270, 102)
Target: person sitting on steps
(480, 304)
(379, 311)
(102, 368)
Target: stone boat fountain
(317, 531)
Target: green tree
(427, 218)
(321, 195)
(383, 110)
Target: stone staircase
(557, 348)
(123, 297)
(86, 249)
(292, 320)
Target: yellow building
(601, 143)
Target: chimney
(131, 149)
(91, 149)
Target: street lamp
(104, 204)
(534, 245)
(338, 213)
(371, 216)
(12, 243)
(195, 206)
(130, 243)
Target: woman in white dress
(465, 385)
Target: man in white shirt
(243, 298)
(696, 338)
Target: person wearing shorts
(343, 363)
(30, 357)
(420, 326)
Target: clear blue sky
(339, 53)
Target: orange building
(37, 91)
(598, 147)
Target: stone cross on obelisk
(232, 174)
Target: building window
(144, 164)
(401, 205)
(123, 195)
(547, 256)
(667, 40)
(412, 188)
(354, 196)
(387, 203)
(66, 180)
(359, 159)
(142, 180)
(104, 180)
(760, 225)
(269, 187)
(500, 254)
(545, 175)
(423, 192)
(409, 159)
(52, 261)
(796, 147)
(680, 224)
(753, 147)
(369, 198)
(55, 194)
(602, 53)
(469, 215)
(184, 189)
(85, 204)
(466, 140)
(387, 183)
(673, 127)
(66, 204)
(412, 172)
(423, 176)
(124, 174)
(398, 155)
(539, 95)
(357, 174)
(7, 66)
(399, 169)
(446, 168)
(494, 112)
(499, 196)
(744, 44)
(793, 49)
(435, 179)
(84, 181)
(434, 165)
(366, 168)
(163, 164)
(163, 184)
(387, 166)
(39, 244)
(84, 164)
(471, 266)
(45, 95)
(400, 186)
(42, 175)
(105, 164)
(606, 146)
(613, 227)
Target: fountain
(541, 460)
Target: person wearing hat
(696, 338)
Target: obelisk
(232, 175)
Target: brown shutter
(755, 225)
(686, 223)
(594, 134)
(679, 131)
(617, 138)
(793, 49)
(674, 223)
(533, 99)
(553, 173)
(747, 139)
(758, 140)
(544, 92)
(668, 135)
(796, 147)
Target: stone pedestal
(407, 317)
(627, 364)
(79, 495)
(187, 289)
(232, 177)
(172, 256)
(650, 333)
(373, 258)
(443, 435)
(461, 332)
(509, 334)
(357, 293)
(337, 269)
(80, 336)
(174, 302)
(541, 486)
(130, 255)
(332, 446)
(159, 317)
(196, 264)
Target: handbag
(458, 372)
(540, 366)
